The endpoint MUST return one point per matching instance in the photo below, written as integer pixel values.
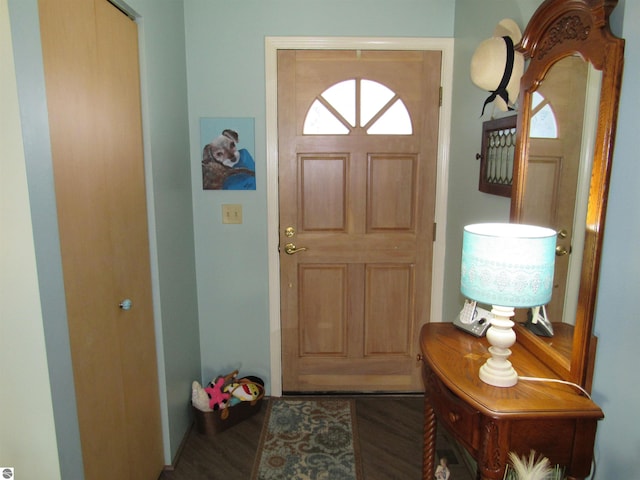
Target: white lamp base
(497, 370)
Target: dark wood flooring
(389, 431)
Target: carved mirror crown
(574, 72)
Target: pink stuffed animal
(217, 398)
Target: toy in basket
(225, 401)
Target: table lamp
(506, 265)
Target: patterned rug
(308, 439)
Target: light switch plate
(232, 213)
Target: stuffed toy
(199, 397)
(217, 398)
(226, 391)
(246, 389)
(210, 398)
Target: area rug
(308, 439)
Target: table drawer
(458, 417)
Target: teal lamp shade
(508, 264)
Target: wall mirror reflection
(561, 139)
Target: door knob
(290, 249)
(561, 251)
(126, 304)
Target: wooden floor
(389, 430)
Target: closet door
(92, 78)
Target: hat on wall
(497, 67)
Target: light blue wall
(226, 75)
(164, 88)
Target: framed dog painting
(227, 159)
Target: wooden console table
(553, 419)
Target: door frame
(272, 45)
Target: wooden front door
(357, 140)
(90, 53)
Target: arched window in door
(543, 118)
(358, 103)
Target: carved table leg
(429, 452)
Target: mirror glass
(562, 127)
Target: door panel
(323, 325)
(388, 309)
(360, 202)
(543, 204)
(392, 194)
(91, 74)
(323, 188)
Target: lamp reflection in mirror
(506, 265)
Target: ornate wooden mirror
(568, 108)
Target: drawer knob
(453, 417)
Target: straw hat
(490, 69)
